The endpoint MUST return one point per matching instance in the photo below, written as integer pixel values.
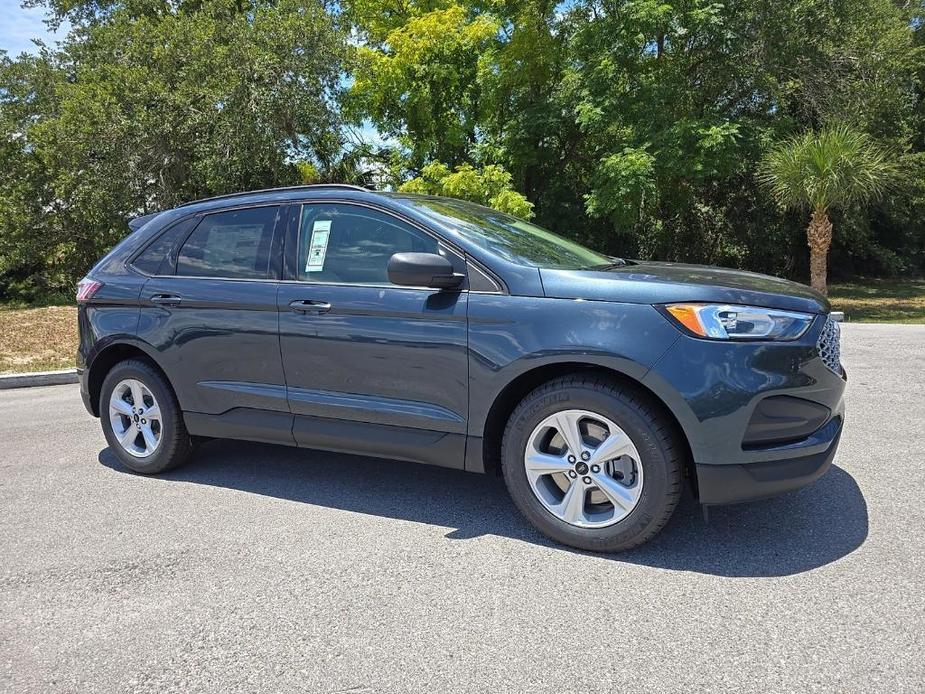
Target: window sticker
(318, 246)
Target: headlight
(725, 322)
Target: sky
(18, 26)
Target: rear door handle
(166, 299)
(309, 306)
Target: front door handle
(309, 306)
(166, 299)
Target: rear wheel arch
(510, 396)
(104, 362)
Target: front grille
(829, 347)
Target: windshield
(513, 239)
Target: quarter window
(153, 260)
(348, 244)
(233, 244)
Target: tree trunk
(818, 238)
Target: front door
(371, 367)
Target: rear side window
(153, 260)
(232, 244)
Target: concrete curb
(39, 378)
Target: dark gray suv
(441, 332)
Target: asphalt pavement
(256, 568)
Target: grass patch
(37, 339)
(880, 301)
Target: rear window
(233, 244)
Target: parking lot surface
(256, 568)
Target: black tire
(175, 443)
(653, 435)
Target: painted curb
(39, 378)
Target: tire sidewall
(162, 457)
(619, 408)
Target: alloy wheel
(583, 468)
(135, 417)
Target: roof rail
(310, 186)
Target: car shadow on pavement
(793, 533)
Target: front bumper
(761, 418)
(734, 483)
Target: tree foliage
(834, 167)
(148, 105)
(635, 126)
(638, 125)
(490, 185)
(422, 89)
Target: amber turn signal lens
(686, 315)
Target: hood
(643, 282)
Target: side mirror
(423, 270)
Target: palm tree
(834, 167)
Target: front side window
(234, 244)
(348, 244)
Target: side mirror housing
(423, 270)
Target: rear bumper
(82, 375)
(734, 483)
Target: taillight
(86, 288)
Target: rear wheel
(592, 464)
(141, 419)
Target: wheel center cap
(581, 468)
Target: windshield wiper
(616, 262)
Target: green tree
(30, 241)
(147, 105)
(490, 185)
(636, 126)
(834, 167)
(638, 123)
(676, 102)
(416, 75)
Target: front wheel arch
(510, 396)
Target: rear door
(370, 366)
(211, 313)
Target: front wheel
(141, 419)
(592, 464)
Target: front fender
(503, 345)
